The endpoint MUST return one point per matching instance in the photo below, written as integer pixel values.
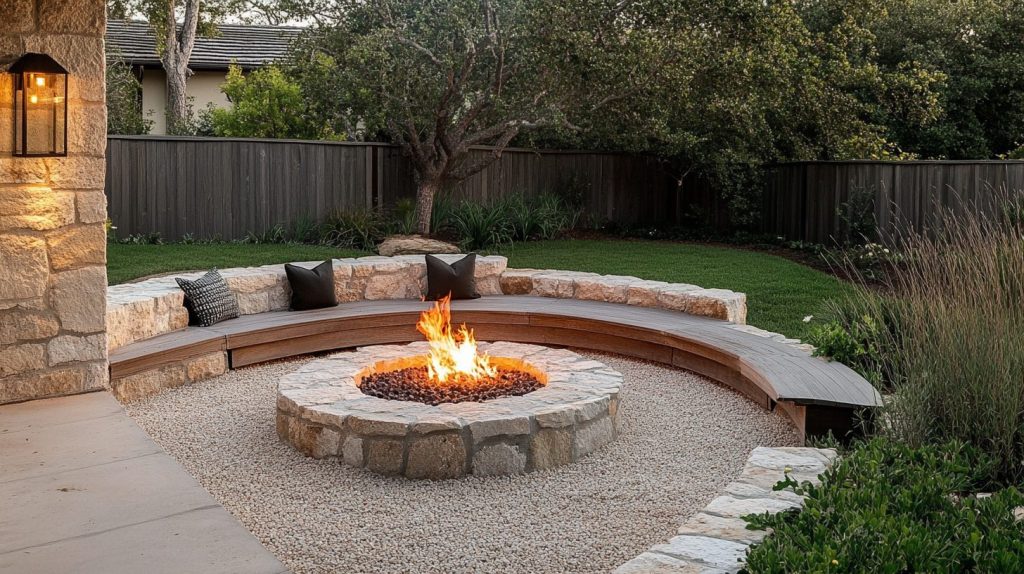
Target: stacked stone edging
(716, 540)
(322, 413)
(138, 311)
(716, 303)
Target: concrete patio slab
(86, 490)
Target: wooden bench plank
(768, 371)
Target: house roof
(248, 46)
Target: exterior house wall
(203, 87)
(52, 240)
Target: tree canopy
(718, 87)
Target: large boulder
(414, 245)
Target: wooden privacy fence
(815, 201)
(226, 187)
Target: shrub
(360, 229)
(888, 507)
(276, 234)
(951, 340)
(856, 344)
(515, 217)
(480, 226)
(403, 217)
(545, 216)
(124, 110)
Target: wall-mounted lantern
(40, 106)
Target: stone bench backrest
(137, 311)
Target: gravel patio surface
(682, 438)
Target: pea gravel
(682, 439)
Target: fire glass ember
(452, 371)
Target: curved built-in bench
(816, 395)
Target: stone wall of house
(52, 239)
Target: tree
(439, 77)
(950, 74)
(265, 104)
(124, 116)
(175, 41)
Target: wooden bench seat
(817, 395)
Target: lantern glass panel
(40, 107)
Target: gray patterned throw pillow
(208, 299)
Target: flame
(452, 352)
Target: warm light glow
(452, 352)
(33, 99)
(40, 81)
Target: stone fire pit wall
(322, 413)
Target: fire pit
(448, 406)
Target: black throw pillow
(459, 278)
(208, 299)
(311, 288)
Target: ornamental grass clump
(944, 337)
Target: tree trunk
(177, 51)
(425, 192)
(177, 98)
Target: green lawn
(780, 293)
(127, 262)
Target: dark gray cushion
(459, 278)
(311, 288)
(208, 299)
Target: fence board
(226, 187)
(802, 200)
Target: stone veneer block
(551, 448)
(28, 255)
(722, 554)
(206, 367)
(518, 281)
(500, 436)
(140, 385)
(499, 459)
(384, 456)
(74, 299)
(437, 456)
(36, 208)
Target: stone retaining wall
(137, 311)
(716, 540)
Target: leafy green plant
(154, 238)
(276, 234)
(858, 216)
(480, 226)
(403, 217)
(124, 110)
(265, 103)
(360, 229)
(889, 507)
(858, 344)
(305, 229)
